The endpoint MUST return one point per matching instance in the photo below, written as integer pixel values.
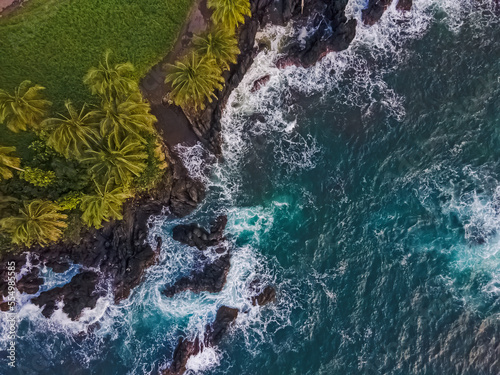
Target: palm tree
(111, 81)
(229, 13)
(69, 134)
(220, 45)
(106, 204)
(119, 119)
(38, 222)
(25, 108)
(121, 162)
(194, 80)
(8, 162)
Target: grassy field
(55, 42)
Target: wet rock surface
(196, 236)
(211, 278)
(78, 294)
(214, 333)
(374, 11)
(210, 275)
(262, 294)
(333, 33)
(404, 5)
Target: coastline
(120, 250)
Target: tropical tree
(106, 204)
(111, 81)
(120, 119)
(229, 13)
(220, 45)
(194, 80)
(38, 222)
(25, 108)
(70, 134)
(121, 162)
(8, 162)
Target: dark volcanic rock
(260, 82)
(30, 283)
(210, 279)
(374, 11)
(404, 5)
(214, 333)
(330, 31)
(78, 294)
(268, 295)
(196, 236)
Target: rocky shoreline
(120, 252)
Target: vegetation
(69, 135)
(25, 108)
(54, 43)
(194, 80)
(90, 162)
(220, 45)
(8, 162)
(104, 205)
(121, 163)
(38, 222)
(229, 13)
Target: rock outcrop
(76, 295)
(196, 236)
(214, 333)
(211, 274)
(374, 11)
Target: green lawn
(55, 42)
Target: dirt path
(172, 123)
(7, 6)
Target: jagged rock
(214, 333)
(211, 278)
(196, 236)
(78, 294)
(30, 283)
(260, 82)
(268, 295)
(374, 11)
(404, 5)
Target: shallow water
(365, 188)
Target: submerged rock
(214, 333)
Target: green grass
(55, 42)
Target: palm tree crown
(8, 162)
(119, 119)
(220, 45)
(194, 80)
(121, 162)
(229, 13)
(38, 222)
(104, 205)
(69, 134)
(25, 108)
(111, 81)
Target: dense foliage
(54, 43)
(88, 160)
(195, 78)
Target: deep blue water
(366, 189)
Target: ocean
(366, 189)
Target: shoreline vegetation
(110, 151)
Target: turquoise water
(366, 189)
